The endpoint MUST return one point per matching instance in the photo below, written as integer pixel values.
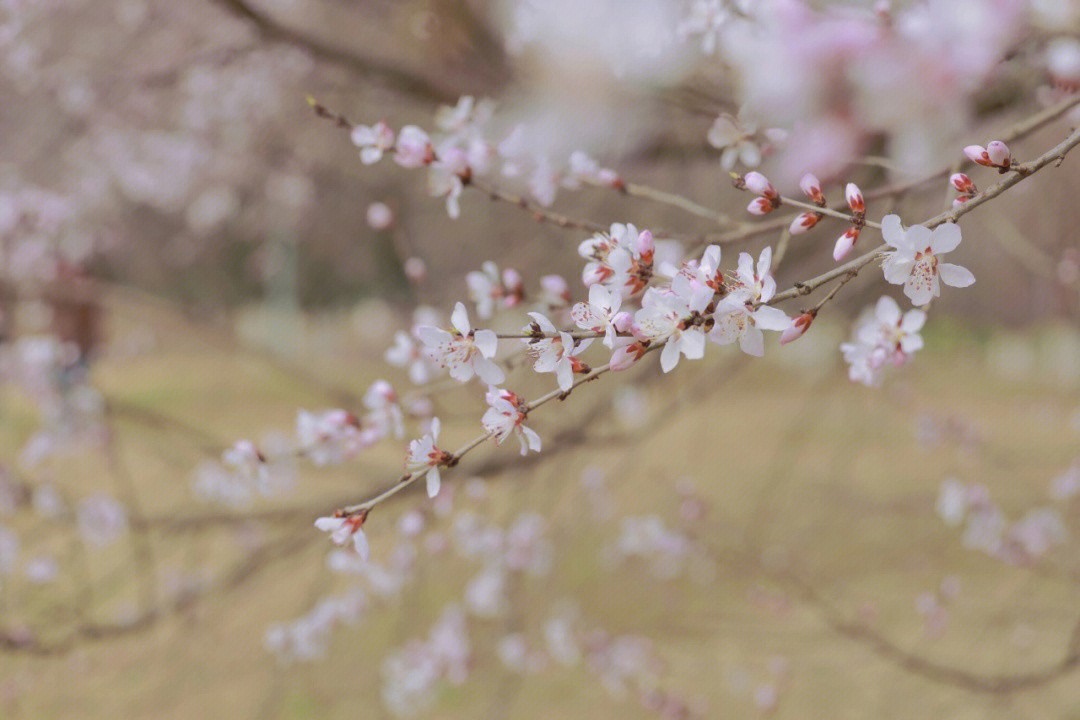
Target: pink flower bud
(999, 154)
(645, 244)
(555, 285)
(960, 200)
(622, 321)
(610, 178)
(759, 206)
(379, 216)
(415, 269)
(759, 185)
(978, 154)
(854, 198)
(810, 185)
(962, 183)
(512, 280)
(799, 325)
(594, 274)
(626, 356)
(803, 222)
(844, 243)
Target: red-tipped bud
(645, 244)
(759, 206)
(963, 183)
(854, 198)
(999, 154)
(610, 178)
(812, 188)
(804, 222)
(626, 356)
(799, 325)
(844, 243)
(978, 154)
(759, 185)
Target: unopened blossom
(601, 314)
(346, 528)
(413, 148)
(963, 183)
(854, 198)
(486, 288)
(811, 186)
(373, 141)
(996, 155)
(672, 316)
(799, 325)
(845, 243)
(505, 415)
(803, 222)
(742, 314)
(424, 456)
(627, 352)
(915, 263)
(759, 185)
(555, 352)
(464, 352)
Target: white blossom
(914, 261)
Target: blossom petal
(488, 371)
(360, 542)
(955, 275)
(487, 342)
(752, 341)
(669, 356)
(770, 318)
(893, 231)
(460, 319)
(434, 482)
(945, 238)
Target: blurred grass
(808, 479)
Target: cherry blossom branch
(840, 215)
(540, 213)
(675, 200)
(410, 478)
(1023, 171)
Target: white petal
(770, 318)
(692, 344)
(764, 262)
(487, 342)
(488, 371)
(669, 356)
(726, 330)
(897, 268)
(945, 238)
(892, 231)
(913, 320)
(752, 341)
(435, 427)
(534, 439)
(887, 311)
(434, 482)
(919, 292)
(329, 524)
(370, 155)
(955, 275)
(433, 336)
(360, 542)
(564, 372)
(460, 319)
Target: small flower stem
(678, 201)
(827, 211)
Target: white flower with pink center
(556, 352)
(669, 315)
(348, 528)
(915, 263)
(506, 415)
(601, 314)
(742, 314)
(426, 457)
(464, 352)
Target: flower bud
(812, 187)
(804, 222)
(999, 154)
(593, 274)
(978, 154)
(799, 325)
(960, 200)
(759, 206)
(759, 185)
(622, 321)
(854, 198)
(962, 183)
(625, 356)
(379, 216)
(645, 244)
(555, 285)
(415, 269)
(845, 243)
